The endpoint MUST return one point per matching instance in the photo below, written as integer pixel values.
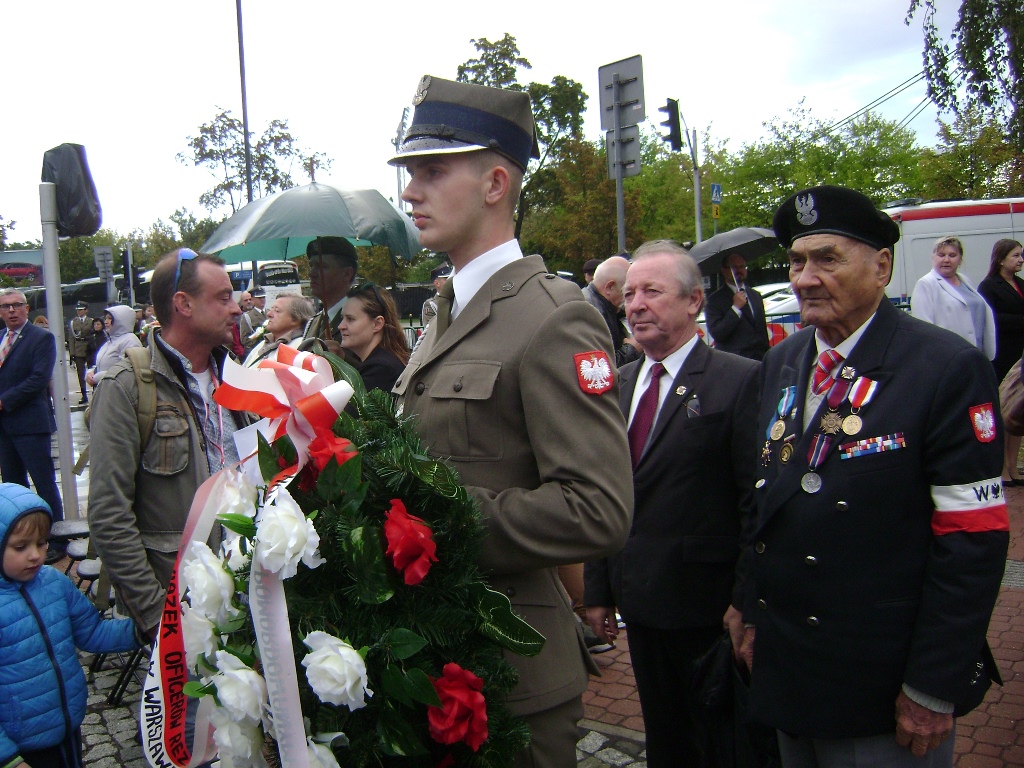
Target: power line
(908, 83)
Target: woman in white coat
(945, 298)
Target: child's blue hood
(16, 501)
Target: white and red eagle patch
(983, 419)
(594, 372)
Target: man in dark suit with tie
(735, 313)
(881, 530)
(27, 357)
(691, 412)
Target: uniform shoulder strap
(138, 357)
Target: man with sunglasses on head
(140, 501)
(27, 356)
(332, 271)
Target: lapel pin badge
(681, 390)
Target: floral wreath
(397, 639)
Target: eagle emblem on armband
(594, 372)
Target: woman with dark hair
(1004, 292)
(370, 329)
(97, 338)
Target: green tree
(558, 109)
(5, 228)
(194, 232)
(219, 146)
(972, 159)
(985, 52)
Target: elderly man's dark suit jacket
(25, 381)
(746, 335)
(888, 574)
(692, 489)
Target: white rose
(231, 551)
(335, 671)
(199, 634)
(284, 537)
(238, 495)
(242, 692)
(238, 743)
(320, 756)
(208, 583)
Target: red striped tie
(827, 362)
(643, 417)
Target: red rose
(325, 445)
(462, 715)
(410, 543)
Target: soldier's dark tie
(643, 418)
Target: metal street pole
(55, 316)
(696, 183)
(245, 120)
(620, 205)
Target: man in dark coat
(735, 313)
(693, 481)
(881, 529)
(27, 357)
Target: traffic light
(126, 270)
(675, 136)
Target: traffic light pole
(696, 181)
(620, 204)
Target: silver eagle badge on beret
(805, 212)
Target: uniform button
(813, 621)
(759, 547)
(842, 506)
(762, 605)
(457, 386)
(420, 387)
(811, 560)
(511, 591)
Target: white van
(978, 224)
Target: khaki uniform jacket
(499, 395)
(78, 339)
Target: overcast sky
(132, 80)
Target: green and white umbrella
(280, 225)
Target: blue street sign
(716, 193)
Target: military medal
(852, 424)
(788, 399)
(786, 453)
(831, 422)
(766, 453)
(811, 482)
(861, 392)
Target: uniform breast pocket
(167, 451)
(465, 415)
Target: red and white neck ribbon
(294, 391)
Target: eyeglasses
(13, 305)
(184, 254)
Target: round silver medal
(811, 482)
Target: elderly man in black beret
(881, 530)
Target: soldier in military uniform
(513, 384)
(438, 277)
(881, 530)
(79, 331)
(252, 318)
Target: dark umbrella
(749, 242)
(280, 225)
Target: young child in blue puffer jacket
(43, 617)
